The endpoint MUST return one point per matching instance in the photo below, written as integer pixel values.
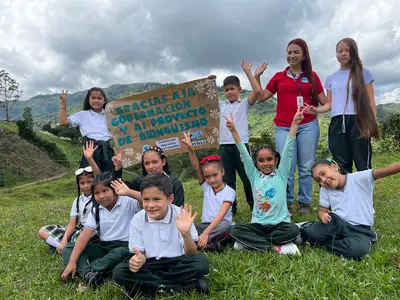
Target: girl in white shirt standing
(353, 110)
(92, 125)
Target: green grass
(9, 127)
(28, 272)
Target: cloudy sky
(49, 45)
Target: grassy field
(28, 272)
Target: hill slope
(21, 161)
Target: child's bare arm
(246, 66)
(386, 171)
(68, 233)
(63, 108)
(203, 238)
(323, 215)
(80, 245)
(192, 155)
(88, 152)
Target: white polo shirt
(85, 207)
(213, 202)
(158, 238)
(114, 224)
(240, 110)
(91, 124)
(353, 204)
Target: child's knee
(202, 265)
(43, 234)
(119, 272)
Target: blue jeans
(304, 150)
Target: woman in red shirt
(295, 86)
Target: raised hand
(230, 123)
(136, 261)
(69, 269)
(185, 219)
(117, 158)
(89, 149)
(260, 69)
(63, 98)
(299, 116)
(186, 140)
(121, 189)
(246, 66)
(310, 109)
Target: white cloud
(71, 44)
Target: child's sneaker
(300, 224)
(94, 278)
(199, 285)
(238, 246)
(288, 249)
(52, 250)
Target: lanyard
(294, 78)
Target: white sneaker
(288, 249)
(238, 246)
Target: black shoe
(94, 278)
(52, 250)
(198, 285)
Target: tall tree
(9, 92)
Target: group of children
(158, 252)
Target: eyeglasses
(81, 170)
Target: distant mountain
(45, 108)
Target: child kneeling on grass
(110, 217)
(57, 236)
(162, 238)
(270, 227)
(346, 209)
(218, 198)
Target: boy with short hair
(239, 109)
(162, 238)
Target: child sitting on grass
(218, 198)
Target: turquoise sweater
(269, 191)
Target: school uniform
(166, 265)
(344, 139)
(349, 233)
(228, 152)
(177, 187)
(93, 127)
(288, 88)
(270, 221)
(112, 248)
(85, 206)
(212, 204)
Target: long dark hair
(105, 179)
(365, 118)
(84, 173)
(306, 67)
(86, 104)
(162, 156)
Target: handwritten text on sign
(159, 117)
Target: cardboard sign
(159, 118)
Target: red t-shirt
(287, 90)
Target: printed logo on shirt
(269, 193)
(265, 206)
(304, 79)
